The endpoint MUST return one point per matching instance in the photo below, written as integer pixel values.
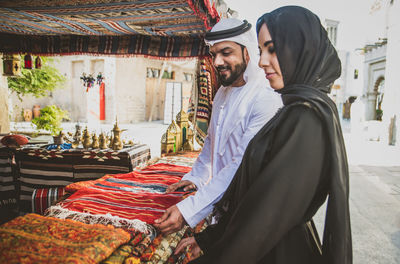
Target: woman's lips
(270, 75)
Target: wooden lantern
(28, 61)
(11, 65)
(38, 63)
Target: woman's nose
(264, 60)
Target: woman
(293, 164)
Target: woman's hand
(194, 247)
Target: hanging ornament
(28, 61)
(38, 63)
(88, 81)
(99, 78)
(11, 65)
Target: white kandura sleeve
(197, 207)
(201, 169)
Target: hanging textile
(102, 101)
(201, 102)
(168, 28)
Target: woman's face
(268, 59)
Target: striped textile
(44, 198)
(8, 189)
(137, 196)
(41, 168)
(162, 28)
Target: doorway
(173, 101)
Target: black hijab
(309, 65)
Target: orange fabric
(34, 238)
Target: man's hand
(194, 247)
(171, 221)
(187, 185)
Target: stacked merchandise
(130, 203)
(44, 169)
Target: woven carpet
(37, 239)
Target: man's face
(230, 60)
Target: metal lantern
(11, 65)
(28, 61)
(38, 63)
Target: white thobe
(214, 169)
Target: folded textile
(119, 255)
(56, 146)
(34, 238)
(167, 246)
(161, 173)
(132, 200)
(46, 197)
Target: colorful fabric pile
(132, 200)
(37, 239)
(41, 168)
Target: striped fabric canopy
(158, 28)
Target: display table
(41, 168)
(107, 220)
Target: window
(188, 77)
(168, 75)
(155, 73)
(355, 74)
(331, 30)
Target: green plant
(36, 82)
(379, 114)
(50, 119)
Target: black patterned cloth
(40, 168)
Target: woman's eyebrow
(266, 43)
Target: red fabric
(145, 207)
(102, 102)
(158, 174)
(11, 140)
(44, 198)
(136, 195)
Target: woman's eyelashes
(271, 49)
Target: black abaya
(293, 163)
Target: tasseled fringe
(105, 219)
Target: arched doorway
(379, 90)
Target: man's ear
(246, 55)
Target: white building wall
(375, 67)
(125, 87)
(392, 82)
(131, 89)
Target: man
(242, 105)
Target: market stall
(117, 209)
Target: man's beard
(235, 73)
